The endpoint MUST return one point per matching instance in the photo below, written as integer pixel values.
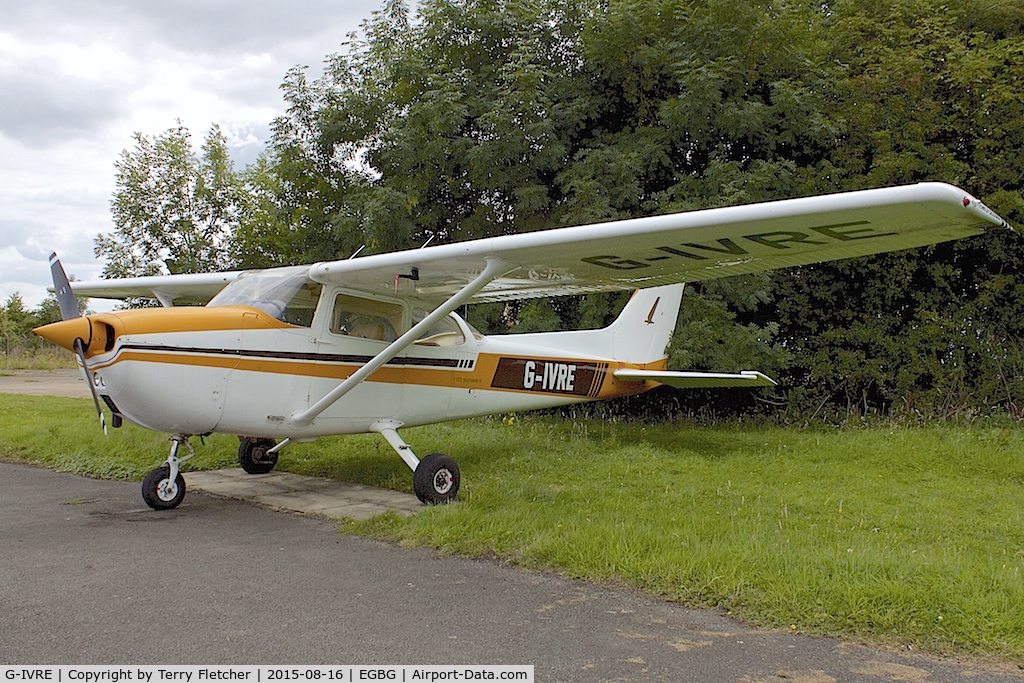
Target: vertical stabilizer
(641, 332)
(638, 336)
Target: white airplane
(373, 344)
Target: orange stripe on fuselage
(480, 378)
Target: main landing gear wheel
(436, 479)
(253, 455)
(159, 492)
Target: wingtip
(761, 378)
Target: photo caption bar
(265, 674)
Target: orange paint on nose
(65, 333)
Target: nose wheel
(160, 491)
(164, 487)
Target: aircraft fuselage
(235, 369)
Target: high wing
(635, 253)
(683, 247)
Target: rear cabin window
(366, 318)
(445, 332)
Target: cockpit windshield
(283, 293)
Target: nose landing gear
(164, 487)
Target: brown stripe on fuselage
(592, 379)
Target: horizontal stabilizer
(697, 380)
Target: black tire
(159, 492)
(436, 479)
(253, 456)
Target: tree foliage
(485, 117)
(927, 93)
(17, 322)
(173, 211)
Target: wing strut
(494, 269)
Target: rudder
(642, 331)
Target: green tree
(926, 91)
(173, 211)
(17, 321)
(487, 117)
(10, 329)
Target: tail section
(642, 331)
(638, 336)
(636, 341)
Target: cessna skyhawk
(373, 344)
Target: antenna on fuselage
(429, 240)
(356, 252)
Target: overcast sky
(79, 77)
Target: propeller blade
(65, 297)
(80, 350)
(69, 311)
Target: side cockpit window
(299, 309)
(366, 318)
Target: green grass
(894, 535)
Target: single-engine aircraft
(374, 344)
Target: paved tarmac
(61, 382)
(90, 575)
(309, 495)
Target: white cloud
(79, 77)
(56, 91)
